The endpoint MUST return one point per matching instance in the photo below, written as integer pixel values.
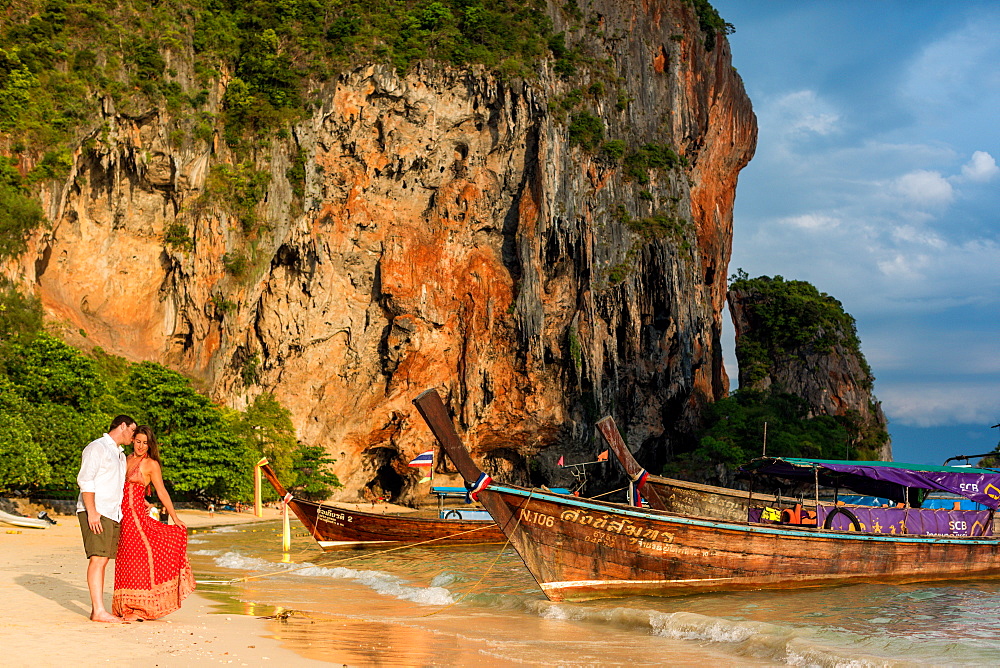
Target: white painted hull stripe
(619, 583)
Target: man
(99, 508)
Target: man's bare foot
(106, 617)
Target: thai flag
(423, 459)
(474, 488)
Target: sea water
(427, 605)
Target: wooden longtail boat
(681, 496)
(579, 549)
(335, 528)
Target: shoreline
(43, 582)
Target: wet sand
(46, 621)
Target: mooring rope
(620, 489)
(359, 556)
(483, 577)
(411, 545)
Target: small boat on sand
(334, 527)
(27, 522)
(580, 549)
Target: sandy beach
(43, 586)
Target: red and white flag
(423, 459)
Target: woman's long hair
(154, 448)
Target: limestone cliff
(446, 232)
(791, 338)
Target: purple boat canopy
(888, 480)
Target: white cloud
(926, 404)
(903, 267)
(811, 221)
(982, 167)
(801, 112)
(918, 236)
(957, 70)
(924, 187)
(874, 179)
(970, 354)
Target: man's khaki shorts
(104, 544)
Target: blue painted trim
(628, 511)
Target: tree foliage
(59, 58)
(313, 478)
(22, 460)
(19, 213)
(734, 434)
(46, 370)
(54, 400)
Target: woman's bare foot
(105, 617)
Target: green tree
(313, 479)
(17, 83)
(213, 463)
(201, 453)
(20, 214)
(22, 462)
(62, 432)
(734, 434)
(46, 370)
(20, 316)
(266, 426)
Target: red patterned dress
(152, 573)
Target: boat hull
(336, 528)
(578, 549)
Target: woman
(152, 573)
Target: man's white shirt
(102, 471)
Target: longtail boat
(579, 549)
(334, 528)
(682, 496)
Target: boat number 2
(532, 517)
(334, 517)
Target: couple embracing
(152, 573)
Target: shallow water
(447, 606)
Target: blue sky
(876, 179)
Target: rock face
(446, 233)
(832, 379)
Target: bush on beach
(54, 399)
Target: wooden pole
(258, 507)
(286, 531)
